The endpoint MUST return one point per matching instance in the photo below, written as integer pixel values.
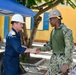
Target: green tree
(39, 5)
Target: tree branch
(43, 5)
(47, 8)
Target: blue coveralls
(12, 50)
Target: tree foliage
(31, 3)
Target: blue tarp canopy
(10, 7)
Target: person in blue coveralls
(13, 47)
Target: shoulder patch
(11, 33)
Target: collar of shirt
(61, 25)
(15, 31)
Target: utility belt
(59, 54)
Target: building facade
(44, 29)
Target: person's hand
(64, 68)
(35, 51)
(38, 50)
(46, 73)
